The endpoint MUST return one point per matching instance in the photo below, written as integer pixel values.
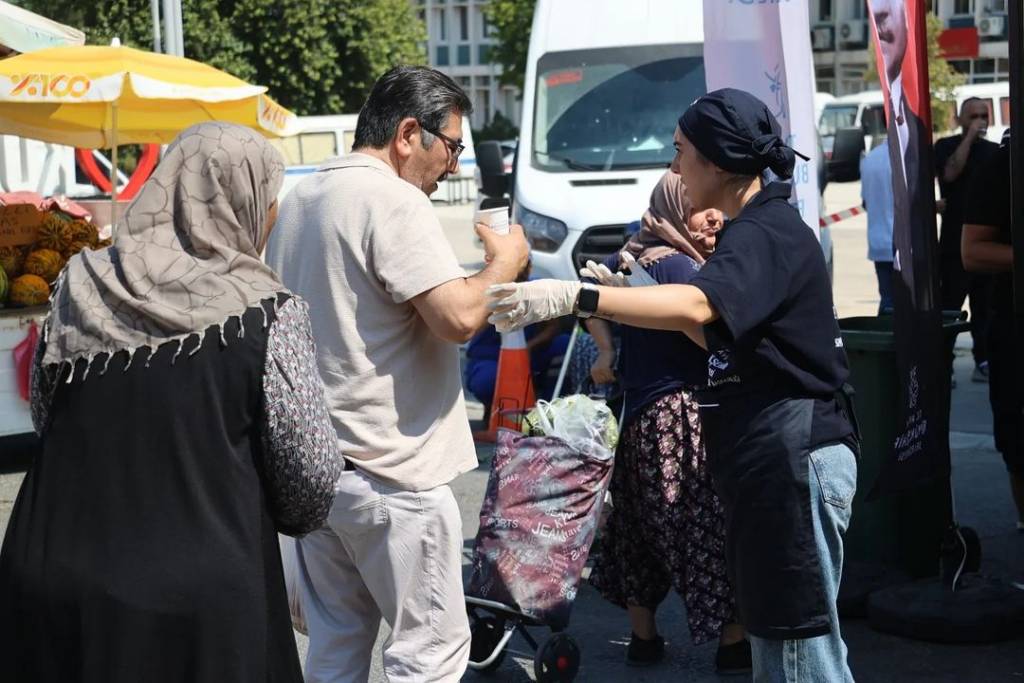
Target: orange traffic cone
(513, 388)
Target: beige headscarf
(665, 226)
(184, 256)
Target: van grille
(597, 243)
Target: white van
(604, 82)
(866, 110)
(324, 137)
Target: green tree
(512, 20)
(372, 37)
(315, 56)
(943, 79)
(288, 45)
(499, 128)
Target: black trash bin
(900, 532)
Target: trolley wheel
(486, 633)
(557, 660)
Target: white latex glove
(518, 304)
(638, 275)
(604, 276)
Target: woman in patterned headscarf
(182, 424)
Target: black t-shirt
(989, 204)
(957, 192)
(777, 335)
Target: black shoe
(645, 652)
(734, 659)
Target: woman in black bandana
(778, 434)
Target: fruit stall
(37, 237)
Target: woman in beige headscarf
(182, 424)
(666, 529)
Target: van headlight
(544, 233)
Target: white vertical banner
(765, 49)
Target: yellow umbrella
(98, 97)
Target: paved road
(982, 500)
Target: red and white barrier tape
(842, 215)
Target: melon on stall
(46, 263)
(29, 290)
(12, 261)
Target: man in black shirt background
(987, 249)
(957, 159)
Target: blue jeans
(833, 480)
(884, 273)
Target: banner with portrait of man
(921, 448)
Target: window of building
(462, 55)
(442, 56)
(995, 6)
(963, 7)
(510, 106)
(486, 27)
(462, 15)
(483, 105)
(858, 9)
(485, 54)
(961, 66)
(824, 10)
(441, 24)
(984, 66)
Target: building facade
(459, 41)
(974, 40)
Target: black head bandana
(736, 132)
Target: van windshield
(837, 117)
(613, 108)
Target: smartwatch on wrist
(586, 301)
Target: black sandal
(643, 652)
(734, 659)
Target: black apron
(757, 450)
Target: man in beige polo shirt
(359, 240)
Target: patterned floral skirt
(666, 528)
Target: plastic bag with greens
(583, 423)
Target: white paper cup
(495, 219)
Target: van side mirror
(493, 180)
(847, 149)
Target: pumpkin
(46, 263)
(12, 261)
(4, 287)
(54, 233)
(75, 247)
(84, 231)
(29, 290)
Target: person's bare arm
(548, 331)
(603, 369)
(679, 308)
(982, 252)
(456, 310)
(955, 166)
